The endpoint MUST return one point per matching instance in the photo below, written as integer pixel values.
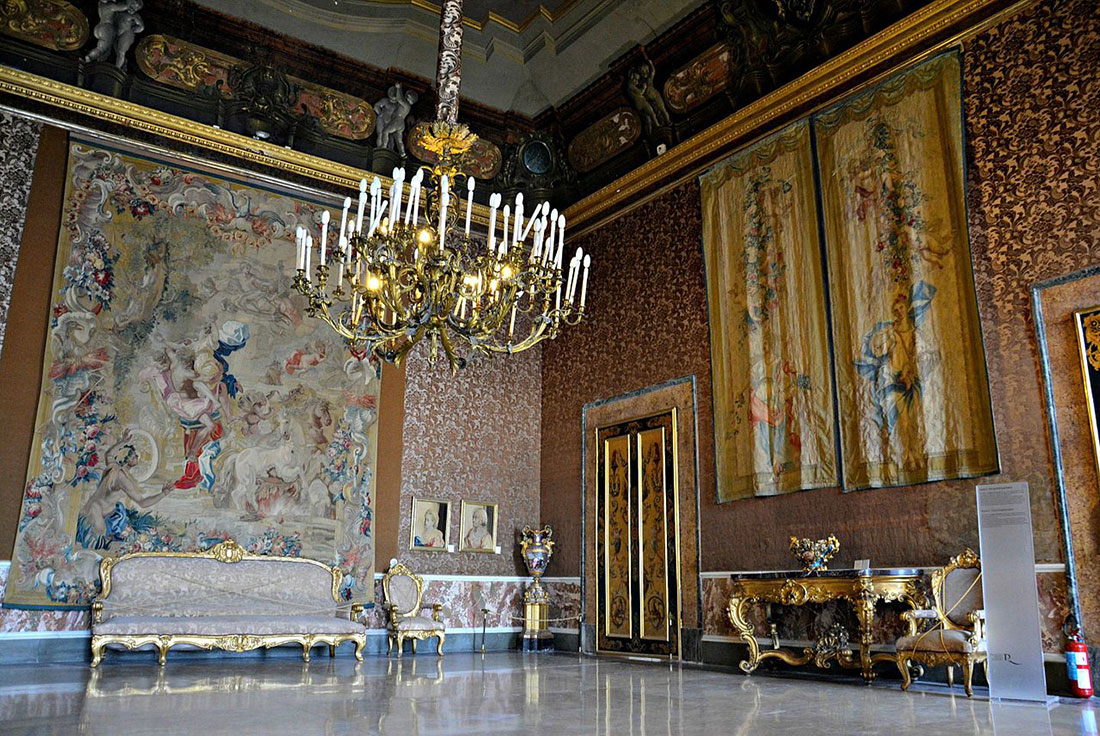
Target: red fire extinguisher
(1077, 661)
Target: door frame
(681, 394)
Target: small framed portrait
(478, 527)
(430, 524)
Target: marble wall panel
(18, 147)
(565, 603)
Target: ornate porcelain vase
(536, 547)
(814, 554)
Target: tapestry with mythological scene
(773, 401)
(186, 396)
(911, 376)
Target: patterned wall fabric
(1031, 89)
(473, 436)
(18, 147)
(912, 389)
(773, 390)
(186, 398)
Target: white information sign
(1011, 599)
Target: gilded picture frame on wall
(429, 525)
(1087, 326)
(478, 527)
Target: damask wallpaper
(473, 436)
(1031, 86)
(18, 147)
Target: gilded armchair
(956, 632)
(403, 591)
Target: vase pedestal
(536, 635)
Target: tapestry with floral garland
(911, 376)
(772, 383)
(186, 396)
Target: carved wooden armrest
(918, 614)
(437, 610)
(356, 611)
(97, 612)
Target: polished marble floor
(498, 693)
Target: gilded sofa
(223, 598)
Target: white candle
(362, 205)
(341, 260)
(531, 220)
(344, 216)
(395, 195)
(469, 202)
(561, 238)
(494, 203)
(300, 262)
(444, 202)
(551, 238)
(411, 215)
(504, 233)
(324, 234)
(516, 239)
(584, 282)
(309, 254)
(536, 250)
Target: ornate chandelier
(406, 271)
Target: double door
(637, 538)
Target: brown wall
(1034, 212)
(28, 319)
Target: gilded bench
(223, 598)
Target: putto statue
(392, 112)
(646, 98)
(118, 26)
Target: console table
(863, 589)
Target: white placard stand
(1013, 640)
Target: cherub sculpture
(118, 26)
(645, 97)
(392, 112)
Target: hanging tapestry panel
(1087, 323)
(911, 376)
(186, 397)
(774, 423)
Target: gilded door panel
(617, 535)
(637, 538)
(653, 534)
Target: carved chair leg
(97, 652)
(414, 645)
(331, 651)
(439, 645)
(951, 675)
(968, 674)
(400, 644)
(389, 644)
(305, 651)
(359, 644)
(903, 667)
(162, 652)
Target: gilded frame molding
(462, 532)
(132, 116)
(228, 552)
(1083, 345)
(894, 47)
(446, 524)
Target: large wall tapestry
(773, 403)
(186, 398)
(911, 377)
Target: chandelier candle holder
(403, 267)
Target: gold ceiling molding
(540, 11)
(805, 94)
(174, 128)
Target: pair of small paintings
(430, 526)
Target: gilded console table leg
(865, 613)
(736, 612)
(162, 651)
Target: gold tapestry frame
(1088, 346)
(228, 552)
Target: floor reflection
(498, 693)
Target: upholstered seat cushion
(419, 623)
(227, 625)
(937, 641)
